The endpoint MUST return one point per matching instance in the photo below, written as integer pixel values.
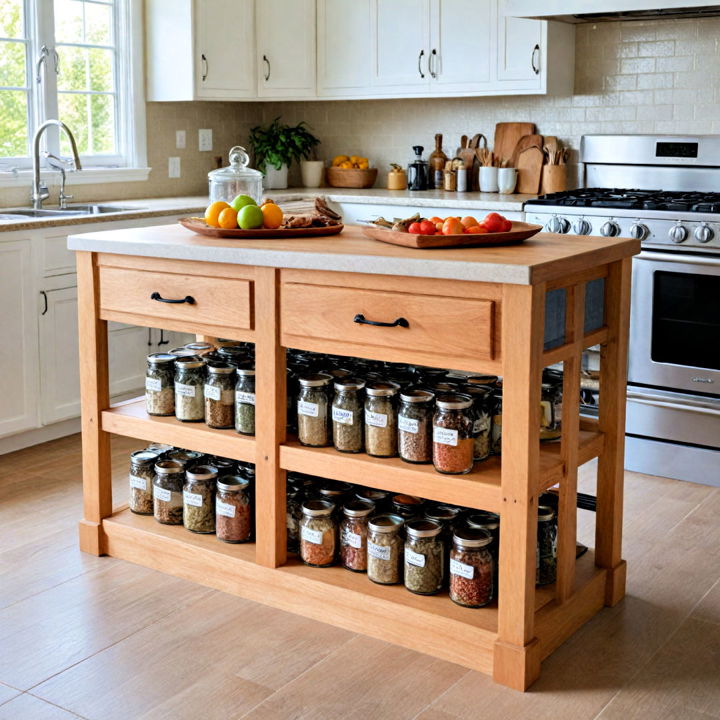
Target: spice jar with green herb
(220, 395)
(318, 533)
(233, 511)
(189, 383)
(160, 384)
(142, 474)
(546, 546)
(168, 492)
(471, 568)
(245, 401)
(348, 415)
(415, 426)
(385, 549)
(381, 419)
(452, 435)
(199, 499)
(424, 557)
(353, 535)
(312, 410)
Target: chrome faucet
(39, 190)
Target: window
(77, 61)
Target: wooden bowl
(351, 177)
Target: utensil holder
(554, 179)
(488, 179)
(507, 180)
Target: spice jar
(220, 396)
(336, 492)
(496, 430)
(385, 549)
(379, 498)
(381, 419)
(293, 513)
(160, 384)
(347, 416)
(490, 522)
(318, 533)
(396, 178)
(424, 557)
(546, 546)
(446, 516)
(407, 506)
(312, 410)
(181, 352)
(142, 473)
(551, 408)
(185, 458)
(245, 401)
(189, 382)
(415, 426)
(233, 514)
(471, 568)
(452, 435)
(482, 419)
(200, 348)
(199, 499)
(167, 492)
(353, 535)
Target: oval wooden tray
(202, 228)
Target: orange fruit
(469, 221)
(227, 219)
(272, 215)
(213, 212)
(476, 230)
(438, 225)
(452, 226)
(435, 219)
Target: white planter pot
(276, 179)
(312, 172)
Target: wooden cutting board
(525, 142)
(507, 136)
(529, 167)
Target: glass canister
(199, 499)
(490, 522)
(415, 416)
(189, 384)
(245, 401)
(471, 568)
(236, 179)
(233, 512)
(318, 533)
(312, 410)
(353, 535)
(142, 474)
(168, 492)
(347, 415)
(453, 446)
(482, 419)
(546, 546)
(446, 516)
(160, 384)
(407, 507)
(385, 549)
(381, 419)
(219, 395)
(424, 557)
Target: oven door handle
(681, 259)
(686, 405)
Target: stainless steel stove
(665, 191)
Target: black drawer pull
(399, 322)
(189, 299)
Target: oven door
(675, 322)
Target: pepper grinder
(418, 171)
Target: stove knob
(703, 233)
(678, 233)
(638, 231)
(610, 229)
(582, 227)
(558, 225)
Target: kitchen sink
(95, 209)
(20, 214)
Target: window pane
(98, 24)
(12, 64)
(68, 21)
(73, 110)
(101, 69)
(73, 73)
(13, 123)
(102, 112)
(11, 19)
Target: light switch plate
(204, 140)
(174, 167)
(180, 139)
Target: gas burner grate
(634, 199)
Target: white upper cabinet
(285, 54)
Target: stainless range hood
(609, 10)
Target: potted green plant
(277, 145)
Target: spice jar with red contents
(318, 533)
(490, 522)
(233, 514)
(353, 535)
(453, 435)
(471, 568)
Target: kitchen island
(479, 310)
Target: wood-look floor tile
(709, 607)
(363, 679)
(28, 707)
(7, 693)
(432, 713)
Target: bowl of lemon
(351, 171)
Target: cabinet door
(285, 48)
(401, 45)
(520, 51)
(224, 49)
(344, 49)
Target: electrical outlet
(174, 167)
(180, 139)
(204, 140)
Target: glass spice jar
(160, 384)
(219, 394)
(168, 492)
(200, 348)
(312, 410)
(336, 492)
(379, 498)
(245, 401)
(233, 511)
(142, 474)
(496, 430)
(424, 557)
(353, 535)
(482, 419)
(452, 435)
(471, 568)
(546, 546)
(189, 382)
(185, 458)
(318, 533)
(490, 522)
(407, 507)
(446, 516)
(385, 549)
(381, 419)
(199, 499)
(415, 426)
(551, 408)
(293, 513)
(347, 415)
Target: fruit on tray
(492, 223)
(348, 162)
(272, 215)
(228, 219)
(213, 212)
(250, 217)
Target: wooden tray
(520, 231)
(202, 228)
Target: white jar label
(353, 539)
(408, 425)
(185, 390)
(380, 552)
(444, 436)
(308, 408)
(244, 398)
(311, 536)
(224, 509)
(344, 417)
(193, 499)
(153, 384)
(138, 483)
(213, 392)
(461, 569)
(376, 419)
(162, 494)
(413, 558)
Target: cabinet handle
(432, 64)
(420, 57)
(398, 322)
(535, 54)
(205, 67)
(189, 299)
(45, 309)
(267, 62)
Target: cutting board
(467, 155)
(525, 142)
(529, 167)
(507, 136)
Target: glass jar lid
(371, 495)
(483, 520)
(200, 347)
(232, 483)
(315, 380)
(545, 513)
(246, 372)
(358, 508)
(472, 538)
(143, 457)
(202, 472)
(482, 380)
(168, 467)
(454, 402)
(182, 352)
(386, 523)
(409, 501)
(441, 513)
(345, 384)
(161, 358)
(183, 457)
(238, 168)
(317, 508)
(382, 389)
(417, 396)
(423, 528)
(219, 368)
(189, 361)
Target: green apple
(241, 201)
(250, 217)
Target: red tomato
(494, 222)
(508, 226)
(415, 228)
(427, 227)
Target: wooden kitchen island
(479, 310)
